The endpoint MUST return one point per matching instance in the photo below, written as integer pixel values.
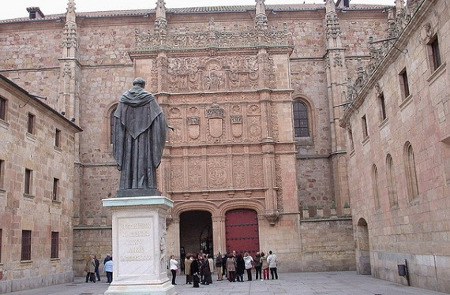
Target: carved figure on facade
(426, 33)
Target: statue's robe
(139, 136)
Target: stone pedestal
(139, 245)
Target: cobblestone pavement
(305, 283)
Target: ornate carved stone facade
(227, 79)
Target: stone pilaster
(336, 80)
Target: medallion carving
(217, 171)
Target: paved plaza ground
(305, 283)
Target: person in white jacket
(108, 269)
(173, 265)
(273, 261)
(248, 265)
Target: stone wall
(39, 211)
(406, 208)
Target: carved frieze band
(211, 38)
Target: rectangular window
(58, 138)
(30, 124)
(382, 106)
(26, 245)
(2, 174)
(55, 245)
(435, 53)
(2, 109)
(55, 189)
(404, 83)
(364, 127)
(28, 181)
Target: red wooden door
(241, 227)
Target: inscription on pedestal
(136, 247)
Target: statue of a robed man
(139, 136)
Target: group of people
(92, 268)
(200, 267)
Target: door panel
(242, 231)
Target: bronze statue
(139, 136)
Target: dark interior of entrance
(196, 232)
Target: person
(264, 266)
(187, 268)
(195, 269)
(240, 267)
(108, 257)
(219, 266)
(248, 260)
(90, 269)
(224, 264)
(257, 261)
(97, 264)
(173, 265)
(205, 271)
(272, 260)
(139, 136)
(211, 265)
(231, 268)
(108, 269)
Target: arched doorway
(362, 248)
(242, 235)
(196, 232)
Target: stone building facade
(398, 121)
(37, 156)
(257, 159)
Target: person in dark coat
(240, 268)
(195, 271)
(205, 271)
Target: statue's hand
(119, 167)
(170, 127)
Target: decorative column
(219, 238)
(337, 81)
(139, 245)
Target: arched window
(410, 171)
(376, 195)
(391, 182)
(301, 123)
(111, 123)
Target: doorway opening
(362, 248)
(196, 233)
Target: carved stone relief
(215, 73)
(256, 171)
(195, 173)
(215, 115)
(217, 172)
(176, 175)
(239, 172)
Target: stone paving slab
(319, 283)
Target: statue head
(139, 81)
